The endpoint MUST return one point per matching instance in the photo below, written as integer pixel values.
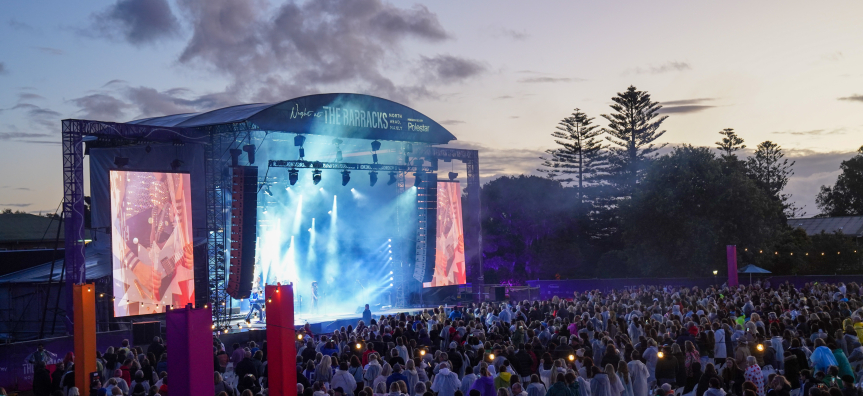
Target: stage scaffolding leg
(473, 226)
(73, 214)
(217, 225)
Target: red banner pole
(281, 340)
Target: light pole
(715, 272)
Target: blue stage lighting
(392, 179)
(293, 176)
(418, 180)
(373, 178)
(316, 176)
(346, 177)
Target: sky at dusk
(499, 75)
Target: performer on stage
(315, 297)
(255, 303)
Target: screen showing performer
(151, 242)
(449, 266)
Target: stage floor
(323, 323)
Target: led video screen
(151, 241)
(449, 266)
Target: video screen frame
(450, 263)
(156, 227)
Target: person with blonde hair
(615, 384)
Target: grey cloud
(671, 66)
(511, 34)
(683, 109)
(451, 122)
(16, 205)
(503, 97)
(29, 96)
(50, 51)
(41, 116)
(549, 80)
(513, 116)
(22, 135)
(3, 69)
(115, 81)
(101, 107)
(18, 25)
(449, 69)
(686, 101)
(136, 21)
(853, 98)
(814, 132)
(306, 47)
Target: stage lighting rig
(267, 190)
(121, 161)
(235, 156)
(373, 178)
(453, 175)
(316, 176)
(250, 151)
(346, 177)
(293, 176)
(299, 140)
(419, 179)
(392, 179)
(376, 145)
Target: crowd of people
(759, 340)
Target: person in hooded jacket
(446, 382)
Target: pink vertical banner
(189, 339)
(731, 252)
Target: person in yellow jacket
(503, 377)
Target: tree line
(616, 202)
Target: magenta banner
(731, 252)
(189, 338)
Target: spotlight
(392, 179)
(300, 337)
(391, 272)
(316, 176)
(373, 178)
(235, 156)
(422, 352)
(453, 175)
(418, 180)
(490, 356)
(359, 346)
(660, 355)
(391, 278)
(267, 190)
(299, 140)
(346, 177)
(571, 357)
(293, 176)
(376, 145)
(121, 161)
(250, 151)
(391, 285)
(390, 259)
(760, 347)
(389, 246)
(389, 240)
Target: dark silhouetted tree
(578, 158)
(688, 208)
(845, 198)
(633, 128)
(730, 143)
(771, 170)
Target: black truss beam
(349, 166)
